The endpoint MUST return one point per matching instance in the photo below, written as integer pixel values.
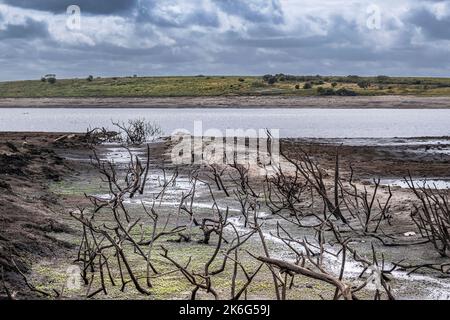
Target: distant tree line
(362, 82)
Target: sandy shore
(395, 102)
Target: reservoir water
(296, 123)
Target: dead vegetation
(117, 248)
(301, 198)
(432, 216)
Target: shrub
(51, 80)
(363, 84)
(345, 92)
(307, 85)
(353, 78)
(270, 79)
(241, 79)
(382, 78)
(325, 92)
(90, 78)
(334, 84)
(257, 84)
(297, 86)
(138, 131)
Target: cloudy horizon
(224, 37)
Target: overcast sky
(224, 37)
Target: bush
(270, 79)
(297, 86)
(307, 85)
(353, 78)
(258, 84)
(325, 92)
(334, 84)
(90, 78)
(363, 84)
(138, 131)
(382, 79)
(331, 92)
(345, 92)
(241, 79)
(51, 80)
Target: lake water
(308, 123)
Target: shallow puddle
(440, 184)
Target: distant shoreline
(245, 102)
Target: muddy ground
(390, 102)
(42, 180)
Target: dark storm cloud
(90, 6)
(340, 31)
(431, 26)
(30, 29)
(167, 37)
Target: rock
(409, 234)
(64, 137)
(76, 212)
(11, 146)
(4, 185)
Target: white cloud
(229, 36)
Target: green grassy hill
(218, 86)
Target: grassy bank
(219, 86)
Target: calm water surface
(310, 123)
